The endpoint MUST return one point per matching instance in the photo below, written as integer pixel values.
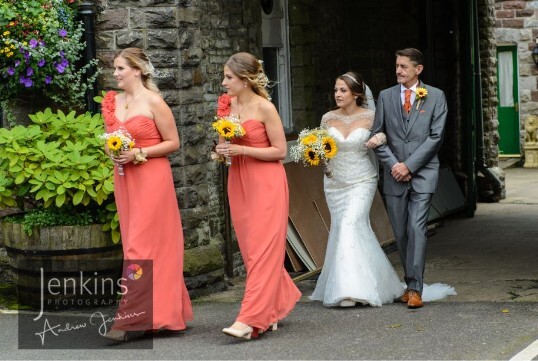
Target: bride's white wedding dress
(356, 267)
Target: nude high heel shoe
(248, 332)
(116, 335)
(273, 326)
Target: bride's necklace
(133, 98)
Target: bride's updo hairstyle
(249, 69)
(356, 85)
(137, 59)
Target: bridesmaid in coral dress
(149, 216)
(258, 194)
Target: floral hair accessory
(422, 93)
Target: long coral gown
(259, 202)
(151, 231)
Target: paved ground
(490, 259)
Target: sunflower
(114, 143)
(309, 139)
(422, 93)
(311, 157)
(329, 147)
(225, 128)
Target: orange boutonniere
(422, 93)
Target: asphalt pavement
(490, 259)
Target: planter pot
(63, 266)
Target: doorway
(508, 106)
(276, 50)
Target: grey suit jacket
(415, 145)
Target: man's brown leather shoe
(415, 300)
(405, 296)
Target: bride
(356, 269)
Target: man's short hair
(413, 54)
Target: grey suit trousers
(408, 214)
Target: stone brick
(185, 38)
(105, 40)
(202, 259)
(164, 58)
(513, 23)
(106, 59)
(532, 5)
(514, 5)
(188, 16)
(166, 78)
(503, 14)
(189, 96)
(129, 38)
(531, 23)
(191, 57)
(195, 196)
(153, 18)
(164, 39)
(524, 13)
(112, 19)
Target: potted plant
(40, 51)
(56, 173)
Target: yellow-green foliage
(58, 160)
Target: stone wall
(188, 42)
(516, 22)
(488, 64)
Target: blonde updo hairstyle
(356, 85)
(137, 59)
(249, 69)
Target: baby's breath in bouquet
(118, 141)
(314, 147)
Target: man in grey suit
(409, 121)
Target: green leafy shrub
(58, 162)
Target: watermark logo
(134, 271)
(71, 307)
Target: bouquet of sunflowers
(118, 141)
(227, 125)
(315, 147)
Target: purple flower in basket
(48, 79)
(41, 63)
(17, 62)
(33, 43)
(11, 71)
(62, 33)
(29, 71)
